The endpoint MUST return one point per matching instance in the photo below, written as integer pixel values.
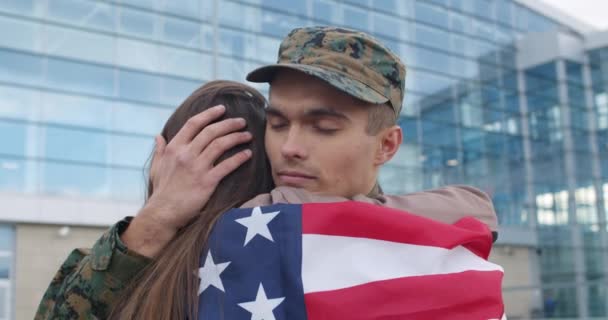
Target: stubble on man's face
(316, 137)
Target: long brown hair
(167, 288)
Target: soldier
(335, 97)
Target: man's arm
(90, 280)
(184, 174)
(448, 204)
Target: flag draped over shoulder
(347, 260)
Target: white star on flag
(210, 274)
(257, 223)
(261, 308)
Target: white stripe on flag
(336, 262)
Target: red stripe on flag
(363, 220)
(471, 295)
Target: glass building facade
(86, 84)
(6, 269)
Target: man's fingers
(219, 146)
(225, 167)
(215, 131)
(195, 124)
(160, 145)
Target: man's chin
(296, 182)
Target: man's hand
(183, 177)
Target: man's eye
(277, 124)
(326, 130)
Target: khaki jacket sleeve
(90, 280)
(448, 204)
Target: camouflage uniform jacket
(90, 280)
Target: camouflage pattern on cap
(349, 60)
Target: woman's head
(240, 101)
(167, 289)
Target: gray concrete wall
(519, 296)
(40, 250)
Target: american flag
(347, 260)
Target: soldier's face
(316, 137)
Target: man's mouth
(294, 178)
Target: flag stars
(257, 223)
(262, 307)
(209, 274)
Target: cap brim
(339, 81)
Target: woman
(166, 288)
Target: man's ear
(390, 140)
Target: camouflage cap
(349, 60)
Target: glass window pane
(279, 25)
(266, 48)
(432, 37)
(128, 184)
(574, 73)
(25, 7)
(388, 26)
(428, 83)
(184, 33)
(232, 69)
(458, 22)
(13, 174)
(28, 38)
(207, 10)
(80, 45)
(325, 11)
(436, 133)
(484, 8)
(238, 43)
(410, 129)
(504, 12)
(431, 14)
(441, 110)
(20, 68)
(7, 238)
(174, 91)
(12, 138)
(19, 103)
(296, 7)
(239, 16)
(130, 151)
(5, 267)
(139, 86)
(75, 145)
(385, 5)
(188, 8)
(83, 13)
(141, 55)
(147, 4)
(74, 180)
(86, 78)
(153, 122)
(137, 23)
(362, 3)
(186, 63)
(356, 18)
(75, 110)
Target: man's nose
(293, 147)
